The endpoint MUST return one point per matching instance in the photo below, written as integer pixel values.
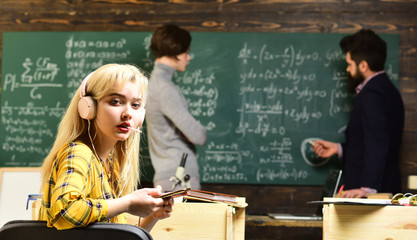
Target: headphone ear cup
(87, 108)
(141, 116)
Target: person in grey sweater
(171, 129)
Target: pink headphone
(86, 104)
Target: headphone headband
(83, 87)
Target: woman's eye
(115, 101)
(136, 105)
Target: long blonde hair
(72, 127)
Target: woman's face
(117, 112)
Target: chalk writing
(289, 57)
(147, 60)
(285, 92)
(272, 175)
(43, 76)
(25, 127)
(201, 93)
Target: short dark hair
(366, 45)
(170, 40)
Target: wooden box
(193, 220)
(369, 222)
(201, 220)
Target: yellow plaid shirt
(77, 190)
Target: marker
(137, 130)
(341, 190)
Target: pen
(341, 190)
(137, 130)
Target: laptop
(331, 185)
(298, 217)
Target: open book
(206, 196)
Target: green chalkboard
(262, 97)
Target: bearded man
(370, 153)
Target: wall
(338, 16)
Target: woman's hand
(161, 211)
(145, 202)
(165, 212)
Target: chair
(37, 230)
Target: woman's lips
(124, 127)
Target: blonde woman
(91, 173)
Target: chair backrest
(37, 230)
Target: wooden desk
(200, 220)
(369, 222)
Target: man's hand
(324, 148)
(353, 193)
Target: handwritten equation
(200, 90)
(38, 74)
(280, 94)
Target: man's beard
(354, 81)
